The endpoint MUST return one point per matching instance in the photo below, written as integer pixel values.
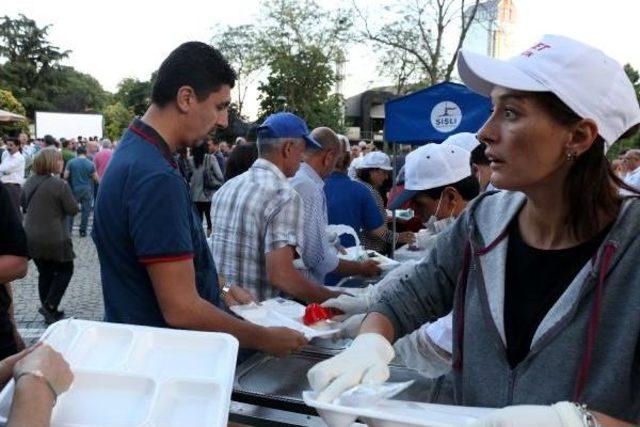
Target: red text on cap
(537, 47)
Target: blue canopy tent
(434, 113)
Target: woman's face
(526, 146)
(378, 177)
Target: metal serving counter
(268, 391)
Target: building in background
(491, 32)
(364, 113)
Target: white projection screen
(68, 125)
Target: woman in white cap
(544, 296)
(373, 171)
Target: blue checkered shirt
(318, 255)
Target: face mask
(435, 225)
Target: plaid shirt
(318, 255)
(253, 214)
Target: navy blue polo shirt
(350, 203)
(144, 215)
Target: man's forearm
(32, 403)
(293, 283)
(348, 268)
(379, 324)
(203, 316)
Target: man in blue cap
(258, 217)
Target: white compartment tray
(396, 413)
(137, 376)
(284, 312)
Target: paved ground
(83, 299)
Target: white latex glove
(419, 352)
(364, 362)
(562, 414)
(349, 304)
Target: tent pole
(393, 186)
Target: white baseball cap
(432, 166)
(465, 140)
(375, 160)
(589, 82)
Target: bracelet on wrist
(38, 374)
(588, 419)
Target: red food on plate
(314, 313)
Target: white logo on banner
(446, 116)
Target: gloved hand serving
(349, 304)
(364, 362)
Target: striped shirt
(369, 240)
(253, 214)
(318, 255)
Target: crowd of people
(527, 235)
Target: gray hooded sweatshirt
(585, 349)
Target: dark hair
(199, 151)
(592, 188)
(81, 150)
(194, 64)
(365, 175)
(468, 188)
(15, 142)
(252, 134)
(477, 155)
(64, 142)
(49, 140)
(240, 160)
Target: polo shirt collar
(266, 164)
(150, 135)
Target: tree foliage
(239, 45)
(302, 45)
(304, 79)
(77, 92)
(413, 43)
(8, 102)
(116, 117)
(134, 94)
(31, 62)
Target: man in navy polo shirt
(156, 268)
(351, 203)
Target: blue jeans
(85, 198)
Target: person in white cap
(465, 140)
(373, 172)
(479, 162)
(440, 182)
(545, 305)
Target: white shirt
(12, 168)
(29, 150)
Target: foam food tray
(396, 413)
(137, 376)
(286, 313)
